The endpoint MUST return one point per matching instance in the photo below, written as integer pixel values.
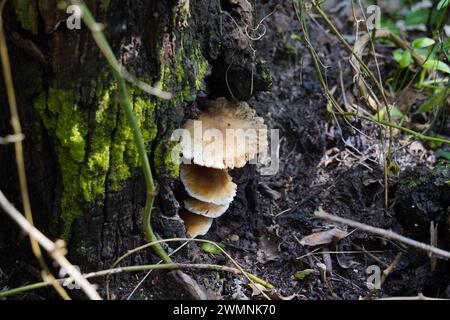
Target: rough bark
(82, 165)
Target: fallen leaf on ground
(302, 274)
(323, 237)
(210, 248)
(257, 289)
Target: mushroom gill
(226, 136)
(206, 209)
(196, 225)
(208, 184)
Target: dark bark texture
(82, 166)
(87, 187)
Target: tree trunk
(82, 165)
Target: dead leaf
(269, 246)
(276, 296)
(324, 237)
(257, 289)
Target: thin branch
(396, 126)
(252, 278)
(100, 39)
(321, 214)
(102, 43)
(148, 273)
(20, 161)
(418, 297)
(167, 266)
(55, 250)
(11, 138)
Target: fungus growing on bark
(226, 136)
(196, 225)
(206, 209)
(208, 184)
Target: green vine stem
(117, 69)
(167, 266)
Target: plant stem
(103, 44)
(167, 266)
(388, 234)
(396, 126)
(20, 160)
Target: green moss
(265, 73)
(70, 204)
(162, 157)
(436, 175)
(88, 163)
(63, 118)
(98, 150)
(95, 170)
(124, 153)
(26, 12)
(184, 77)
(82, 250)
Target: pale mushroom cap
(206, 209)
(196, 225)
(208, 184)
(226, 135)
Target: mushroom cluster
(226, 136)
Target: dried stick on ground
(55, 250)
(320, 213)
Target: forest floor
(333, 165)
(326, 163)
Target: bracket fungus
(196, 225)
(225, 136)
(206, 209)
(207, 184)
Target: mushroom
(196, 225)
(206, 209)
(227, 135)
(208, 184)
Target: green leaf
(416, 17)
(295, 36)
(302, 274)
(422, 43)
(436, 65)
(393, 168)
(403, 58)
(435, 100)
(210, 248)
(442, 154)
(442, 4)
(393, 111)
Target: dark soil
(323, 163)
(270, 214)
(262, 233)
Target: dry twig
(56, 250)
(320, 213)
